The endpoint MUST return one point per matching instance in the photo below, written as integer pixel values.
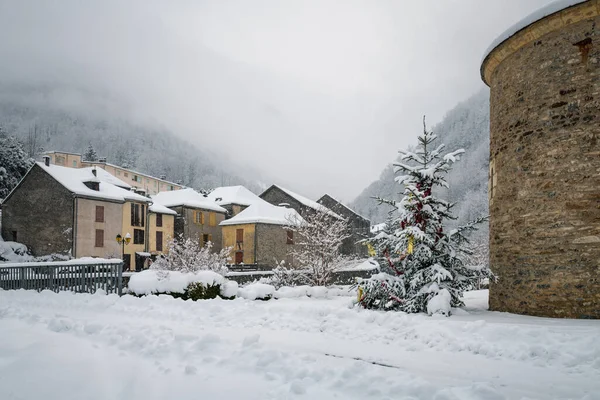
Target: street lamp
(123, 241)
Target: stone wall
(276, 196)
(545, 169)
(40, 210)
(271, 245)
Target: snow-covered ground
(77, 346)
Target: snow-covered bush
(186, 255)
(425, 261)
(186, 285)
(257, 291)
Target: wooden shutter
(143, 214)
(212, 219)
(239, 235)
(99, 237)
(158, 220)
(132, 214)
(99, 213)
(290, 237)
(159, 241)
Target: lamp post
(123, 241)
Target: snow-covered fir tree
(90, 154)
(316, 246)
(14, 163)
(428, 269)
(186, 255)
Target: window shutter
(158, 220)
(290, 237)
(99, 237)
(132, 214)
(99, 213)
(239, 235)
(159, 241)
(142, 217)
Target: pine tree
(14, 163)
(90, 154)
(428, 272)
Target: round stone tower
(544, 186)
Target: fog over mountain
(317, 95)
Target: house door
(139, 262)
(239, 257)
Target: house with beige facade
(198, 218)
(80, 211)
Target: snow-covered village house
(257, 235)
(234, 199)
(359, 226)
(198, 218)
(142, 182)
(79, 212)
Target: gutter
(74, 231)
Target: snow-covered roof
(265, 213)
(188, 198)
(543, 12)
(233, 195)
(345, 206)
(160, 209)
(131, 171)
(109, 178)
(73, 180)
(309, 203)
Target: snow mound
(256, 291)
(440, 303)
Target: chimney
(94, 171)
(46, 160)
(102, 159)
(163, 177)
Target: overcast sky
(319, 94)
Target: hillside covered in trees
(465, 126)
(55, 118)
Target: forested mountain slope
(56, 118)
(465, 126)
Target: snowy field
(68, 346)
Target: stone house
(359, 226)
(257, 236)
(278, 196)
(198, 218)
(63, 210)
(234, 199)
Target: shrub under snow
(186, 255)
(193, 285)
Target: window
(158, 220)
(99, 237)
(171, 187)
(118, 173)
(147, 180)
(290, 237)
(99, 213)
(155, 184)
(212, 219)
(60, 160)
(14, 234)
(138, 236)
(239, 236)
(125, 174)
(134, 178)
(137, 214)
(74, 163)
(159, 241)
(206, 238)
(199, 217)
